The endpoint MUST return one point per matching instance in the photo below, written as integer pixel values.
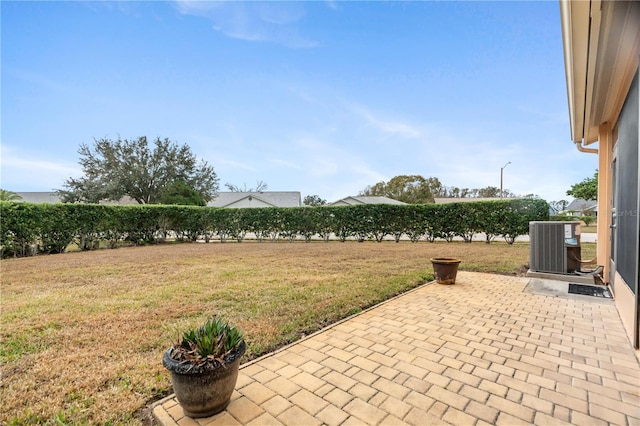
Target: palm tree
(9, 196)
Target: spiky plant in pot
(204, 366)
(208, 344)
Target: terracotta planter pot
(203, 391)
(445, 269)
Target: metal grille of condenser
(554, 247)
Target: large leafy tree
(314, 200)
(411, 189)
(114, 169)
(587, 189)
(489, 192)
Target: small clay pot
(445, 269)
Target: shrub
(19, 228)
(53, 226)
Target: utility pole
(501, 175)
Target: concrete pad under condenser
(547, 287)
(553, 288)
(580, 279)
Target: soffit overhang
(601, 41)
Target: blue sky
(321, 97)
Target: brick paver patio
(482, 351)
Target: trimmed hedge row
(588, 220)
(26, 229)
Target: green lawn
(83, 333)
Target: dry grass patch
(83, 333)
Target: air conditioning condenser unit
(554, 247)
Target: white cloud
(396, 127)
(232, 164)
(277, 162)
(22, 172)
(272, 22)
(321, 167)
(544, 116)
(332, 4)
(318, 157)
(307, 97)
(386, 126)
(367, 173)
(355, 177)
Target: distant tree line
(416, 189)
(167, 173)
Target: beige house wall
(605, 154)
(624, 298)
(601, 41)
(625, 303)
